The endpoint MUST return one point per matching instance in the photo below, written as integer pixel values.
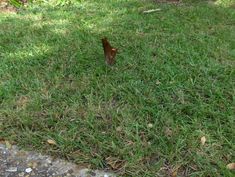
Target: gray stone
(24, 163)
(11, 169)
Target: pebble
(28, 170)
(12, 169)
(21, 174)
(150, 125)
(48, 161)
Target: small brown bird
(109, 52)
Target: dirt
(5, 7)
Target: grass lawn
(173, 83)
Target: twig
(151, 10)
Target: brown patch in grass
(116, 164)
(22, 102)
(177, 170)
(5, 7)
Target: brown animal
(109, 52)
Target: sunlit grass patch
(145, 116)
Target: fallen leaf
(52, 142)
(119, 129)
(2, 140)
(168, 132)
(231, 166)
(158, 82)
(115, 163)
(203, 140)
(32, 164)
(8, 144)
(129, 143)
(174, 174)
(22, 102)
(35, 164)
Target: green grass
(174, 70)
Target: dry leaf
(52, 142)
(158, 82)
(231, 166)
(115, 163)
(2, 140)
(109, 52)
(119, 129)
(32, 164)
(168, 132)
(8, 144)
(174, 174)
(22, 102)
(129, 143)
(203, 140)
